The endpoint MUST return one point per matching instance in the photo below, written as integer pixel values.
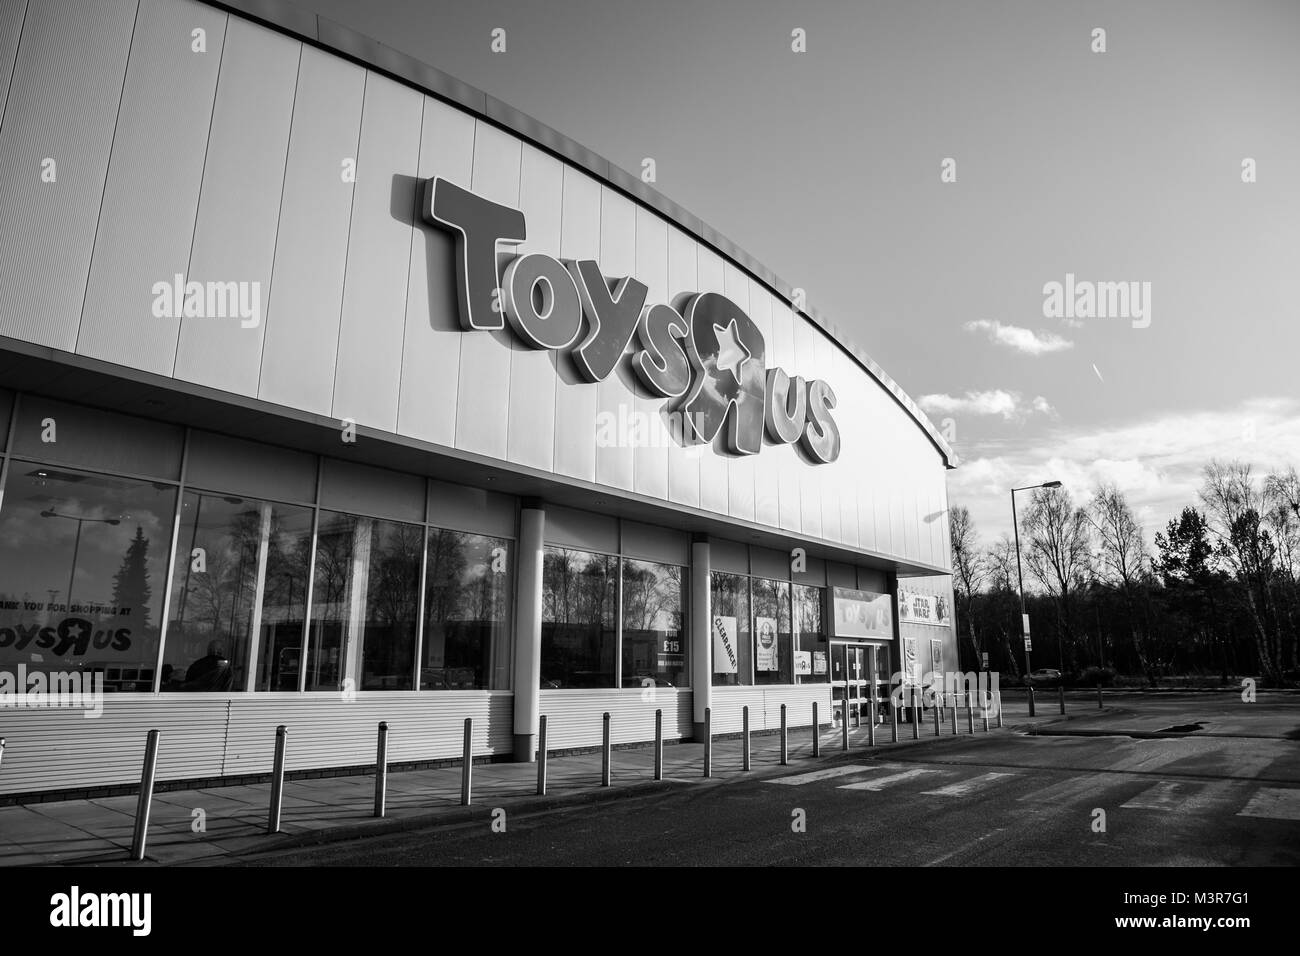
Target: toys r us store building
(336, 391)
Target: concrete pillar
(528, 630)
(701, 634)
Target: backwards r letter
(727, 350)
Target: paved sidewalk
(234, 819)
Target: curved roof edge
(346, 42)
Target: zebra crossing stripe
(1166, 795)
(798, 780)
(966, 787)
(1273, 803)
(881, 783)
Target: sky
(1122, 166)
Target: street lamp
(80, 519)
(1020, 581)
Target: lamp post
(76, 546)
(1020, 580)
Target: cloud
(1009, 405)
(1155, 461)
(1021, 340)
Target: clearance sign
(707, 359)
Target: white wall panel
(740, 468)
(11, 22)
(62, 105)
(573, 717)
(683, 276)
(369, 369)
(714, 484)
(300, 346)
(152, 194)
(483, 401)
(650, 459)
(431, 351)
(767, 470)
(239, 204)
(530, 437)
(613, 395)
(575, 399)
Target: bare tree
(1058, 551)
(1123, 557)
(969, 568)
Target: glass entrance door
(850, 682)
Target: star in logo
(732, 354)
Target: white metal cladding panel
(764, 702)
(483, 402)
(239, 204)
(431, 350)
(683, 275)
(60, 749)
(62, 105)
(650, 459)
(713, 467)
(740, 468)
(832, 476)
(326, 731)
(767, 471)
(11, 19)
(151, 196)
(613, 395)
(311, 250)
(575, 401)
(848, 391)
(574, 717)
(530, 435)
(369, 370)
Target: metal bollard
(986, 698)
(785, 742)
(744, 723)
(2, 740)
(659, 744)
(467, 763)
(277, 781)
(871, 723)
(1031, 700)
(1099, 706)
(916, 716)
(146, 795)
(541, 757)
(954, 714)
(708, 741)
(1061, 690)
(817, 734)
(844, 722)
(893, 722)
(381, 769)
(970, 714)
(999, 710)
(604, 752)
(937, 699)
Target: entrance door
(880, 686)
(850, 682)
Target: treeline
(1216, 592)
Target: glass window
(579, 618)
(219, 563)
(364, 603)
(811, 646)
(284, 600)
(83, 567)
(732, 649)
(654, 641)
(466, 613)
(773, 650)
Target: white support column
(701, 635)
(528, 630)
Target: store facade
(359, 396)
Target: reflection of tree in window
(579, 625)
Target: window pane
(579, 621)
(654, 642)
(284, 601)
(810, 635)
(83, 567)
(365, 603)
(466, 613)
(773, 651)
(732, 649)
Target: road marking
(1079, 788)
(798, 780)
(966, 787)
(1166, 795)
(1273, 803)
(881, 783)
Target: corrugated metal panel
(11, 20)
(152, 196)
(311, 250)
(573, 717)
(239, 205)
(765, 706)
(62, 105)
(613, 396)
(683, 276)
(209, 736)
(650, 457)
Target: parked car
(1045, 675)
